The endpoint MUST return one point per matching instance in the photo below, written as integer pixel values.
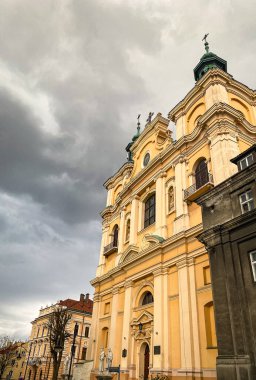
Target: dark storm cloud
(73, 77)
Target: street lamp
(73, 349)
(59, 346)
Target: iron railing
(192, 189)
(111, 247)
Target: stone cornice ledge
(144, 255)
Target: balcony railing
(110, 248)
(194, 191)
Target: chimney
(81, 297)
(87, 297)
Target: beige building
(39, 364)
(153, 298)
(16, 354)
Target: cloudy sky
(73, 77)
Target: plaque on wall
(157, 350)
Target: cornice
(198, 91)
(110, 181)
(214, 235)
(151, 251)
(149, 129)
(212, 77)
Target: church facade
(153, 302)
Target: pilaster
(181, 221)
(134, 220)
(161, 227)
(121, 234)
(113, 322)
(110, 197)
(92, 347)
(223, 147)
(215, 93)
(186, 339)
(105, 230)
(158, 333)
(126, 325)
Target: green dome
(209, 61)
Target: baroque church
(153, 303)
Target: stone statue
(101, 357)
(149, 119)
(109, 358)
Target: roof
(85, 306)
(243, 154)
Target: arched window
(201, 174)
(128, 229)
(150, 211)
(147, 298)
(115, 236)
(170, 198)
(210, 325)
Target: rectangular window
(246, 201)
(149, 216)
(86, 333)
(107, 308)
(246, 161)
(207, 275)
(253, 264)
(84, 350)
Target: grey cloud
(98, 64)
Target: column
(181, 126)
(134, 220)
(215, 94)
(161, 227)
(126, 336)
(113, 324)
(104, 242)
(121, 234)
(181, 221)
(158, 319)
(194, 314)
(92, 349)
(166, 317)
(185, 317)
(110, 197)
(224, 146)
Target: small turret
(208, 61)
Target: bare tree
(7, 353)
(57, 326)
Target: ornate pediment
(144, 318)
(130, 253)
(142, 327)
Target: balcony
(197, 189)
(110, 248)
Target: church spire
(208, 61)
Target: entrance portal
(144, 361)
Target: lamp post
(73, 349)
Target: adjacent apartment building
(153, 303)
(229, 221)
(39, 362)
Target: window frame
(245, 160)
(148, 208)
(253, 264)
(86, 331)
(248, 201)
